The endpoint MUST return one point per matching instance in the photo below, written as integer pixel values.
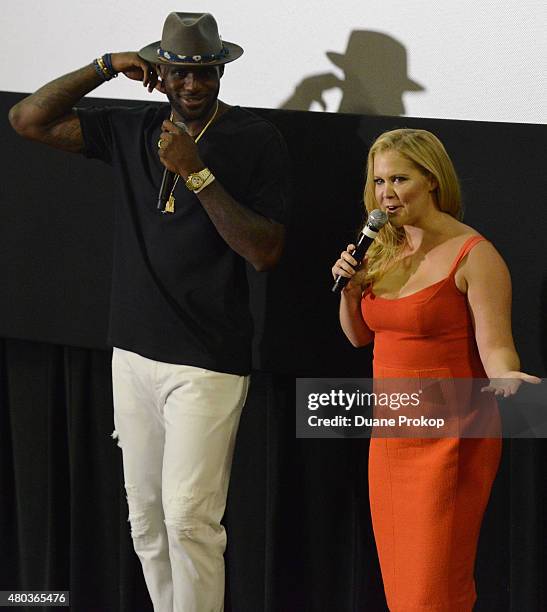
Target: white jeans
(176, 426)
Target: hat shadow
(374, 78)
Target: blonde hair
(427, 152)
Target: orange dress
(428, 496)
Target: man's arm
(256, 238)
(48, 115)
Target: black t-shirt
(179, 292)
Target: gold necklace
(170, 206)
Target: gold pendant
(170, 206)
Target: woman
(435, 298)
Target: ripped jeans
(176, 426)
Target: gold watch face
(196, 181)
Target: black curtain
(299, 534)
(298, 520)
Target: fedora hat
(190, 39)
(374, 53)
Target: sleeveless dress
(428, 496)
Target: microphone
(375, 222)
(168, 179)
(165, 189)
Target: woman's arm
(351, 318)
(489, 297)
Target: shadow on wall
(375, 78)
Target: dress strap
(466, 247)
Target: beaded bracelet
(103, 67)
(107, 59)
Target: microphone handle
(360, 250)
(165, 188)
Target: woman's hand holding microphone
(348, 267)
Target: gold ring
(159, 144)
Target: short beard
(180, 111)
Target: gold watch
(196, 180)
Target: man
(180, 322)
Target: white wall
(476, 59)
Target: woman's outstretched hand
(509, 383)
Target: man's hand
(136, 69)
(177, 150)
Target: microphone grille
(377, 219)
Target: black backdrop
(298, 523)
